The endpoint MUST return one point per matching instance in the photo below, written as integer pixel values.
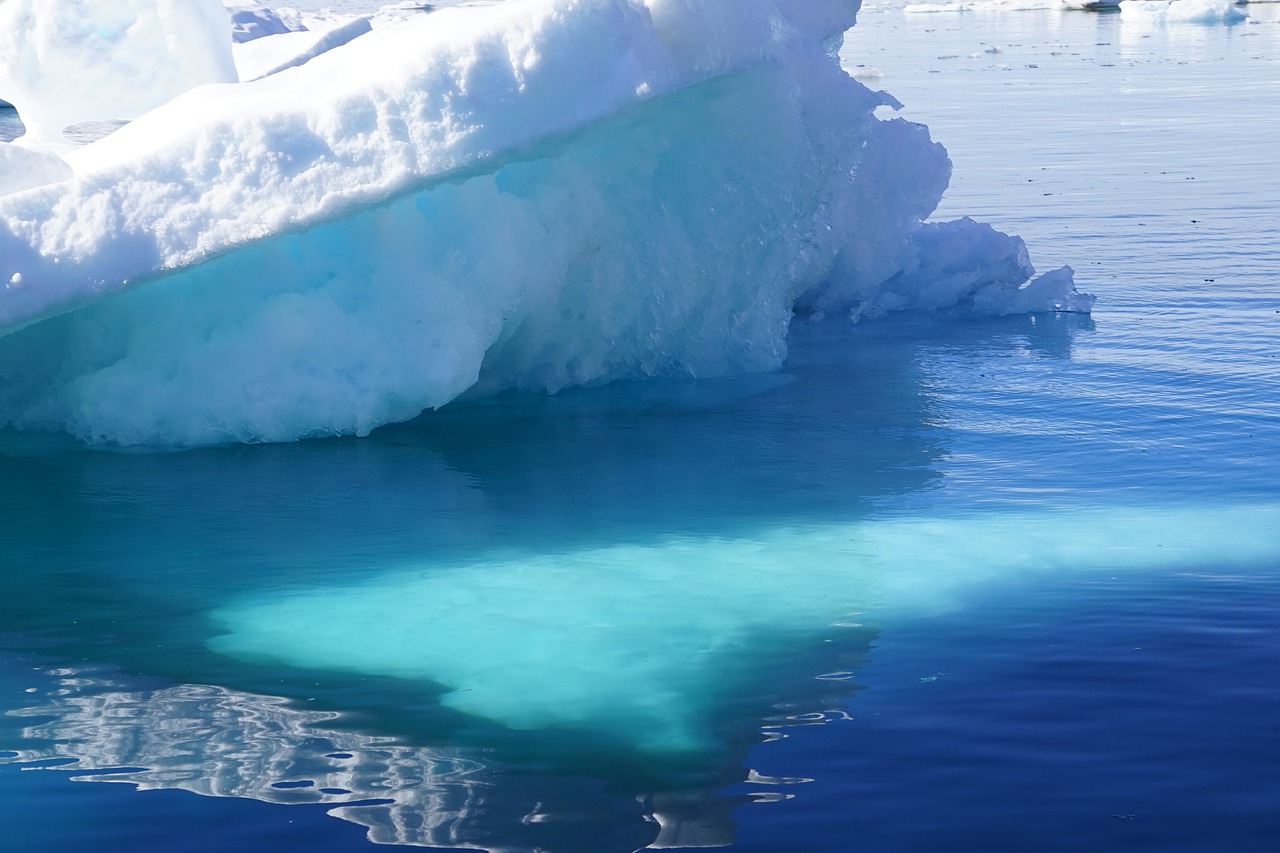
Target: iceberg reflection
(219, 742)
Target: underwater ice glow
(532, 194)
(637, 642)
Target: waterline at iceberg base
(528, 195)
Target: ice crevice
(531, 194)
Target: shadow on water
(115, 561)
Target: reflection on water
(219, 742)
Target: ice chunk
(63, 62)
(251, 20)
(272, 54)
(1182, 11)
(1054, 291)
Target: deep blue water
(942, 584)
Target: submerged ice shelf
(532, 194)
(547, 642)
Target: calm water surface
(941, 585)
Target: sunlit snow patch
(638, 642)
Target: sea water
(939, 584)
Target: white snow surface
(532, 194)
(22, 168)
(64, 62)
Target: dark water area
(11, 126)
(941, 584)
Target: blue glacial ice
(534, 194)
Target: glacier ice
(63, 62)
(532, 194)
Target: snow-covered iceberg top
(536, 193)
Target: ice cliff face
(532, 194)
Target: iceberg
(533, 194)
(1182, 11)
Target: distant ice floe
(1008, 6)
(1161, 11)
(1183, 11)
(532, 194)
